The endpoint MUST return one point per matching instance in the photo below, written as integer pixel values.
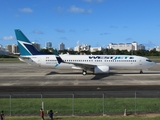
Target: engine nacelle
(101, 69)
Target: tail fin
(25, 46)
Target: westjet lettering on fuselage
(96, 63)
(111, 57)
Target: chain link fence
(84, 104)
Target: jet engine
(101, 69)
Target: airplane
(98, 64)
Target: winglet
(59, 59)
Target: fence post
(135, 96)
(73, 104)
(42, 102)
(10, 102)
(103, 103)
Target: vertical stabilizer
(25, 46)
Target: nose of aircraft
(153, 64)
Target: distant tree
(47, 51)
(125, 52)
(9, 56)
(154, 52)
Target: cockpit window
(148, 60)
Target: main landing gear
(84, 72)
(141, 71)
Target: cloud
(104, 33)
(26, 10)
(63, 38)
(59, 9)
(113, 26)
(16, 15)
(8, 37)
(77, 42)
(60, 30)
(129, 39)
(149, 44)
(86, 29)
(72, 30)
(74, 9)
(125, 26)
(38, 32)
(91, 1)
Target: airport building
(61, 46)
(126, 46)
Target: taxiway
(21, 77)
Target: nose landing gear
(84, 72)
(141, 71)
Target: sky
(76, 22)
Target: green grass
(86, 118)
(9, 60)
(154, 58)
(80, 106)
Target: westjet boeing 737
(96, 63)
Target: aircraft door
(39, 61)
(140, 62)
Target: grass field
(88, 118)
(9, 60)
(154, 58)
(79, 106)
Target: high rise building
(9, 48)
(3, 51)
(48, 45)
(61, 46)
(36, 45)
(141, 47)
(15, 49)
(1, 46)
(84, 47)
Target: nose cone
(153, 64)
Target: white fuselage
(112, 61)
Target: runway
(21, 77)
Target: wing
(84, 66)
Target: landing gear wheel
(141, 71)
(84, 72)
